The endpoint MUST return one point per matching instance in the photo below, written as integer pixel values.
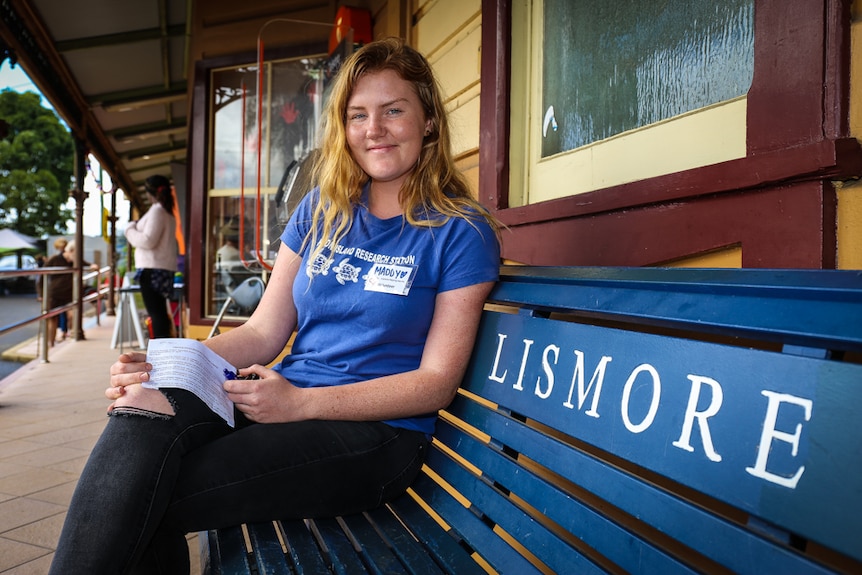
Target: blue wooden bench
(624, 420)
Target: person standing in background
(57, 260)
(59, 291)
(61, 288)
(154, 240)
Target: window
(613, 79)
(246, 214)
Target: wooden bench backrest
(659, 421)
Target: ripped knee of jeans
(129, 410)
(143, 402)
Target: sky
(17, 79)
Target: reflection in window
(288, 117)
(610, 67)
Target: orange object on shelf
(346, 18)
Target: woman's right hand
(130, 368)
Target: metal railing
(100, 293)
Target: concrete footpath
(51, 415)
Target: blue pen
(228, 374)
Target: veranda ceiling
(117, 72)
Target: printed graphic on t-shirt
(388, 273)
(345, 272)
(318, 266)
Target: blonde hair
(433, 192)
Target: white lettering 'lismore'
(702, 389)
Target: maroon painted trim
(798, 137)
(494, 117)
(837, 83)
(827, 159)
(785, 102)
(773, 227)
(196, 198)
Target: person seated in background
(230, 268)
(227, 256)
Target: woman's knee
(139, 400)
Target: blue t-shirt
(365, 307)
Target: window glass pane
(233, 90)
(610, 67)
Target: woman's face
(385, 126)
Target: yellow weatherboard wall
(449, 34)
(700, 138)
(726, 258)
(850, 226)
(850, 193)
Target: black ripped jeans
(153, 478)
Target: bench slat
(343, 555)
(745, 381)
(378, 556)
(302, 548)
(556, 553)
(404, 545)
(814, 308)
(231, 553)
(626, 549)
(269, 556)
(439, 544)
(209, 554)
(700, 530)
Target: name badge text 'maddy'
(702, 389)
(390, 278)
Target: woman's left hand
(130, 368)
(269, 398)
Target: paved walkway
(50, 417)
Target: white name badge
(388, 278)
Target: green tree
(36, 167)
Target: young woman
(154, 239)
(383, 272)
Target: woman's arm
(147, 232)
(424, 390)
(141, 234)
(259, 340)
